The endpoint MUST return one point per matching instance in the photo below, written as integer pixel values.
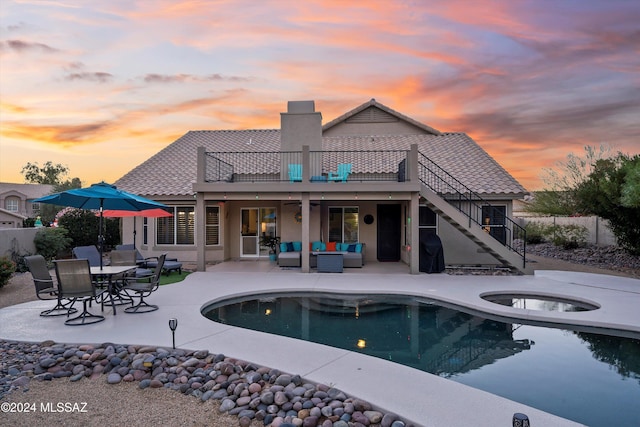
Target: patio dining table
(108, 273)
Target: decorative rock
(247, 413)
(114, 378)
(310, 422)
(226, 405)
(388, 419)
(373, 416)
(245, 390)
(280, 398)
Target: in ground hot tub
(539, 302)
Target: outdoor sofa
(290, 254)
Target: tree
(51, 174)
(612, 192)
(47, 174)
(559, 194)
(631, 188)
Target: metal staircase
(465, 210)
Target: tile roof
(30, 191)
(376, 104)
(172, 171)
(456, 153)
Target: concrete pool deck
(420, 397)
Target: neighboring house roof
(173, 170)
(30, 191)
(6, 213)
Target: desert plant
(51, 241)
(7, 268)
(569, 236)
(537, 232)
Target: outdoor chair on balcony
(46, 288)
(75, 284)
(344, 169)
(143, 287)
(295, 172)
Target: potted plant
(272, 243)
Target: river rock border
(248, 391)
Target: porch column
(200, 236)
(413, 164)
(414, 254)
(306, 213)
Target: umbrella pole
(134, 233)
(100, 236)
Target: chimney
(300, 125)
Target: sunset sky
(100, 86)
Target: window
(428, 220)
(35, 207)
(493, 222)
(343, 224)
(178, 229)
(11, 204)
(212, 225)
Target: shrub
(83, 227)
(537, 232)
(569, 236)
(51, 241)
(7, 268)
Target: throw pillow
(331, 246)
(351, 247)
(359, 247)
(283, 247)
(297, 246)
(290, 247)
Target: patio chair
(170, 264)
(128, 257)
(295, 172)
(75, 284)
(144, 287)
(46, 288)
(90, 253)
(344, 169)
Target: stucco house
(371, 176)
(15, 204)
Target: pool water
(590, 378)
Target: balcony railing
(274, 166)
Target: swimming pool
(587, 377)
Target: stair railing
(473, 206)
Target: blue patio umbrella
(100, 196)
